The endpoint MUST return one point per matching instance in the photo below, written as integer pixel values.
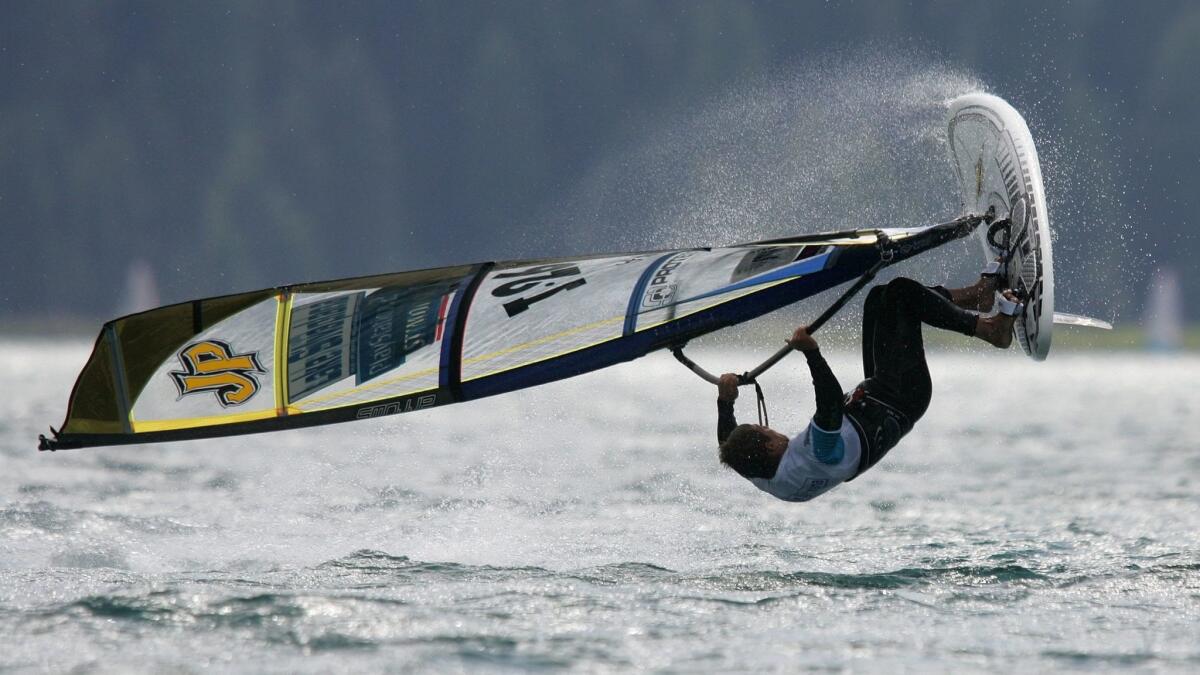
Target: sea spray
(853, 138)
(845, 141)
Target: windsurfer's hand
(727, 387)
(802, 340)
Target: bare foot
(980, 296)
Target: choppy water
(1043, 516)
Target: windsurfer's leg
(871, 308)
(934, 306)
(901, 372)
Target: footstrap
(1009, 307)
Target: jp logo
(211, 365)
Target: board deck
(997, 166)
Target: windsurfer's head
(753, 450)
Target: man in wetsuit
(851, 432)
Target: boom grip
(955, 229)
(750, 376)
(695, 368)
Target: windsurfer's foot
(978, 297)
(997, 330)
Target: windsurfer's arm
(727, 391)
(827, 421)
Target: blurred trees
(239, 145)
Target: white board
(997, 165)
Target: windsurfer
(849, 433)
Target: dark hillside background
(236, 145)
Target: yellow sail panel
(195, 422)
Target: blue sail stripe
(635, 299)
(796, 269)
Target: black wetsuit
(897, 391)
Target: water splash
(855, 138)
(849, 140)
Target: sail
(361, 348)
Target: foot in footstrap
(997, 330)
(981, 296)
(1008, 304)
(994, 271)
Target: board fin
(1065, 319)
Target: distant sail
(349, 349)
(141, 291)
(1164, 314)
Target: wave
(371, 599)
(402, 568)
(46, 517)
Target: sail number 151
(554, 277)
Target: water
(1042, 517)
